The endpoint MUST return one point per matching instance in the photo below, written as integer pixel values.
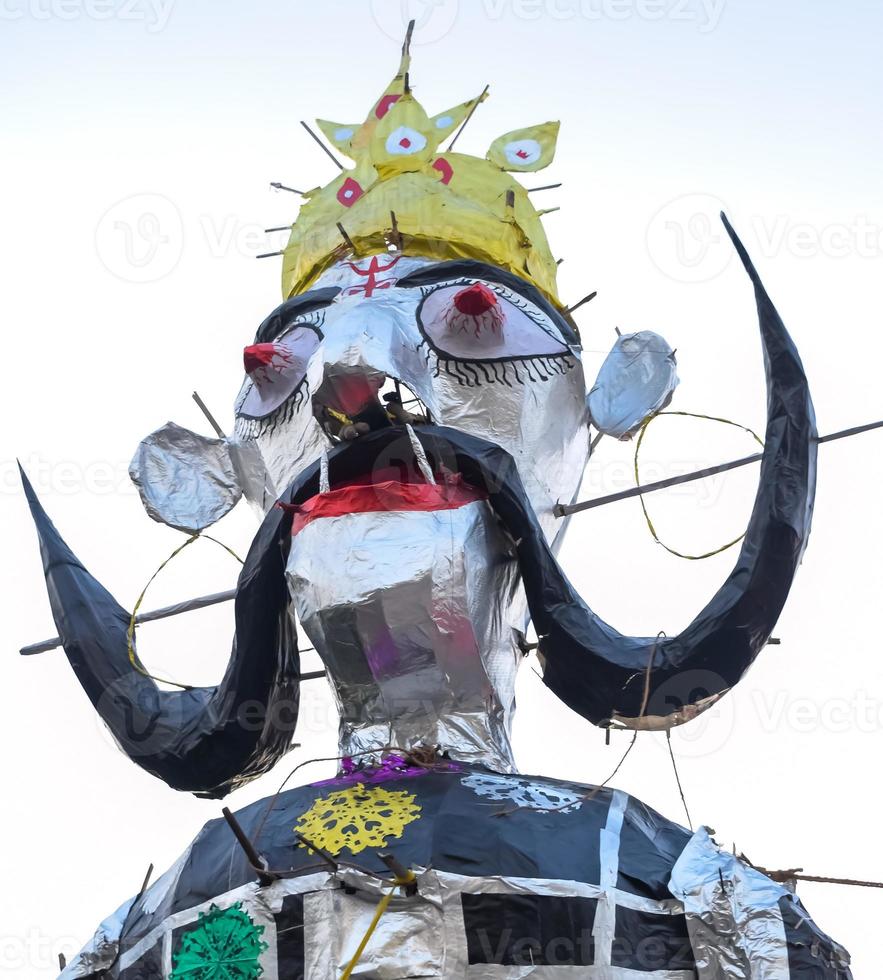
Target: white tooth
(324, 483)
(422, 461)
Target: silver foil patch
(185, 480)
(637, 379)
(408, 611)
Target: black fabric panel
(811, 953)
(457, 832)
(646, 941)
(649, 847)
(146, 967)
(525, 930)
(290, 946)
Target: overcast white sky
(138, 140)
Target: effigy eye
(275, 370)
(475, 310)
(475, 323)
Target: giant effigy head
(412, 418)
(428, 268)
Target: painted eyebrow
(291, 309)
(471, 269)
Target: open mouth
(381, 470)
(349, 404)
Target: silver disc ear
(637, 378)
(185, 480)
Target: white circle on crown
(523, 152)
(404, 141)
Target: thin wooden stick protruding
(267, 231)
(478, 102)
(406, 44)
(212, 421)
(252, 856)
(345, 236)
(337, 162)
(270, 255)
(281, 187)
(545, 187)
(584, 300)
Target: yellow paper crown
(403, 192)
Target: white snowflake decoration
(543, 797)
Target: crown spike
(439, 203)
(324, 147)
(478, 102)
(405, 64)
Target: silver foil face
(517, 381)
(408, 611)
(414, 614)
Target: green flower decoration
(224, 945)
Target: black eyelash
(504, 372)
(249, 429)
(314, 319)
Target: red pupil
(257, 356)
(475, 300)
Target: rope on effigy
(674, 766)
(796, 874)
(130, 632)
(400, 881)
(643, 430)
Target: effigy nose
(257, 356)
(475, 299)
(475, 310)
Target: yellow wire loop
(130, 632)
(382, 906)
(692, 415)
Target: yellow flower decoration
(357, 817)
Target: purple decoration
(391, 768)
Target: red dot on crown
(475, 299)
